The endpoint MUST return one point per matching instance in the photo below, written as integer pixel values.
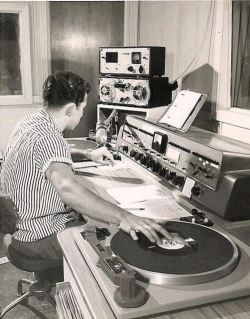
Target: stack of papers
(148, 201)
(128, 195)
(163, 209)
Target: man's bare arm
(89, 204)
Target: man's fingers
(153, 231)
(102, 156)
(162, 231)
(133, 234)
(149, 234)
(108, 155)
(160, 221)
(159, 228)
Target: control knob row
(145, 160)
(131, 69)
(172, 176)
(156, 167)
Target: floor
(9, 275)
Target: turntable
(194, 258)
(205, 266)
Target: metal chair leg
(14, 303)
(20, 285)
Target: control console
(209, 168)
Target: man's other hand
(101, 155)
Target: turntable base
(183, 265)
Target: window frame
(223, 39)
(25, 65)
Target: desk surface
(85, 285)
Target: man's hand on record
(150, 228)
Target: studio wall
(186, 29)
(78, 29)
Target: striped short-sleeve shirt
(35, 143)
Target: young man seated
(37, 174)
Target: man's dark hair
(61, 88)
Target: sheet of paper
(180, 109)
(161, 208)
(117, 166)
(85, 164)
(135, 194)
(89, 164)
(187, 188)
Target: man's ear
(69, 109)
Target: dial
(132, 153)
(178, 180)
(196, 190)
(125, 148)
(170, 175)
(137, 156)
(143, 160)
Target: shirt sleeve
(49, 149)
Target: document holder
(180, 115)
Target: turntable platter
(215, 256)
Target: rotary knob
(196, 190)
(132, 153)
(178, 180)
(159, 167)
(181, 181)
(170, 175)
(175, 180)
(125, 148)
(137, 156)
(131, 69)
(209, 174)
(155, 167)
(149, 162)
(143, 160)
(141, 69)
(162, 171)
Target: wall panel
(78, 29)
(185, 29)
(158, 25)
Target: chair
(43, 269)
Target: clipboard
(180, 115)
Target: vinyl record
(179, 264)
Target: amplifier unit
(142, 61)
(139, 92)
